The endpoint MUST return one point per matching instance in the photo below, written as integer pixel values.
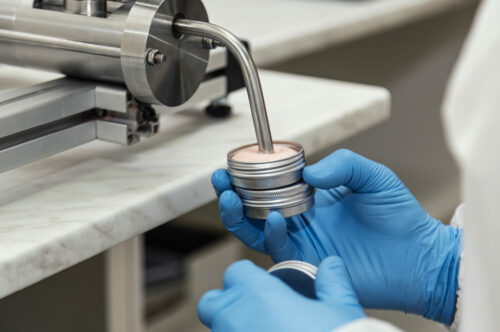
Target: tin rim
(277, 173)
(299, 189)
(304, 267)
(291, 166)
(289, 196)
(286, 211)
(290, 201)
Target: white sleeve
(458, 221)
(367, 325)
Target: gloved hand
(254, 300)
(398, 256)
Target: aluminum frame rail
(48, 118)
(45, 119)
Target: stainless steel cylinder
(20, 16)
(86, 7)
(265, 187)
(127, 36)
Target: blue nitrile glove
(398, 256)
(254, 300)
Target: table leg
(124, 281)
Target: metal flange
(174, 79)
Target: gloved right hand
(398, 256)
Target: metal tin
(289, 201)
(271, 186)
(300, 276)
(267, 175)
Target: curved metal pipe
(250, 74)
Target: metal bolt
(154, 57)
(209, 43)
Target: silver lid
(304, 267)
(300, 276)
(267, 175)
(289, 201)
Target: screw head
(160, 58)
(155, 58)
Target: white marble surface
(62, 210)
(281, 29)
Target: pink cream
(251, 154)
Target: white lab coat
(471, 116)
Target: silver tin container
(300, 276)
(289, 201)
(271, 186)
(267, 175)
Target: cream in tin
(251, 154)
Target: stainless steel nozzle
(250, 74)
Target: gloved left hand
(254, 300)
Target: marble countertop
(281, 29)
(66, 208)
